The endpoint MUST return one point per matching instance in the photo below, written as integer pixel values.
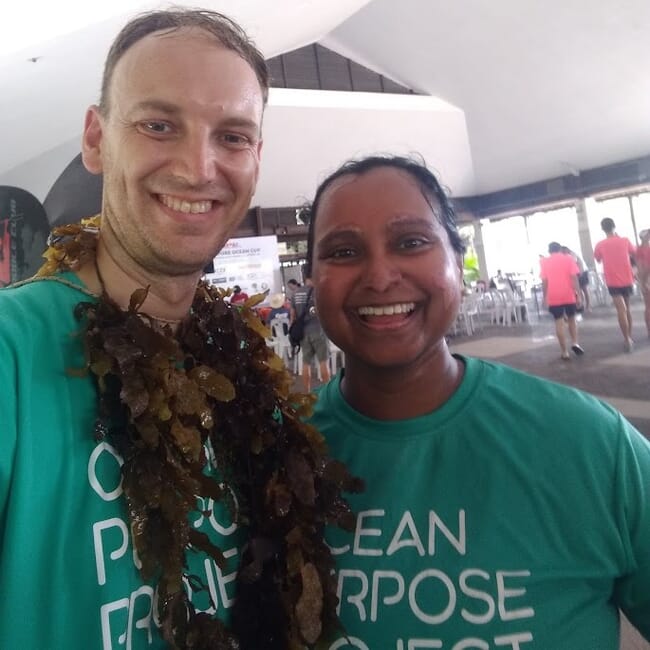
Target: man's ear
(91, 149)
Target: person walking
(561, 290)
(314, 344)
(292, 285)
(583, 279)
(615, 254)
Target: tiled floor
(605, 370)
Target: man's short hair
(607, 224)
(225, 31)
(554, 247)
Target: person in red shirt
(642, 258)
(614, 253)
(559, 273)
(238, 295)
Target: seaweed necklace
(165, 400)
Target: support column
(631, 204)
(480, 250)
(586, 245)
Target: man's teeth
(387, 310)
(194, 207)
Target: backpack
(297, 328)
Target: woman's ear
(91, 150)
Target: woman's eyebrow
(403, 223)
(335, 235)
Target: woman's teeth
(180, 205)
(387, 310)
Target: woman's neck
(405, 392)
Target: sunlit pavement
(605, 370)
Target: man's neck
(169, 298)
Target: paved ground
(604, 370)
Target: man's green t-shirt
(69, 577)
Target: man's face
(179, 150)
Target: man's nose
(198, 159)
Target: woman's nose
(380, 273)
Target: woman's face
(387, 281)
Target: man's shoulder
(19, 296)
(613, 242)
(25, 304)
(557, 263)
(37, 288)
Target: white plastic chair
(279, 340)
(336, 358)
(489, 306)
(515, 308)
(467, 320)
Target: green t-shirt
(517, 515)
(68, 573)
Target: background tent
(23, 234)
(76, 193)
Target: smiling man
(180, 159)
(131, 391)
(177, 137)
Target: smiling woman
(491, 514)
(386, 260)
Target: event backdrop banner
(251, 262)
(23, 234)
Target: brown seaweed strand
(162, 398)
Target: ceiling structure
(520, 91)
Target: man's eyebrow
(243, 122)
(167, 108)
(155, 105)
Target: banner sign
(252, 263)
